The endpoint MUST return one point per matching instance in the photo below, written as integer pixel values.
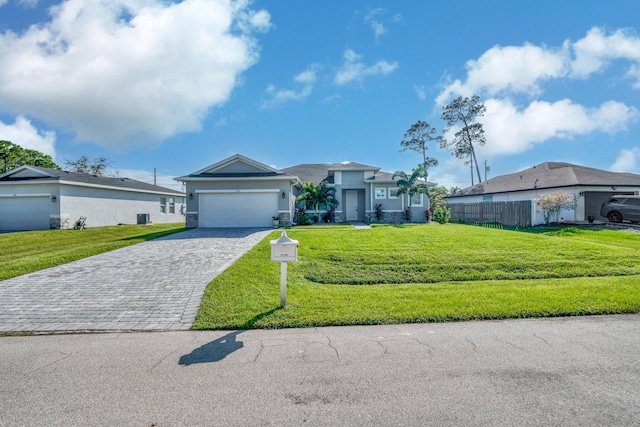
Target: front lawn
(29, 251)
(397, 274)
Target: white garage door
(24, 213)
(238, 209)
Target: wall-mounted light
(283, 195)
(614, 188)
(190, 196)
(53, 199)
(582, 194)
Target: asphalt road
(567, 371)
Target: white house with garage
(591, 187)
(36, 198)
(241, 192)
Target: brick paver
(155, 285)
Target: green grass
(29, 251)
(398, 274)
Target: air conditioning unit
(144, 219)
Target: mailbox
(284, 249)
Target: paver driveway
(155, 285)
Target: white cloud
(377, 26)
(308, 76)
(509, 130)
(627, 161)
(29, 4)
(420, 91)
(129, 72)
(521, 69)
(22, 133)
(634, 73)
(452, 173)
(354, 69)
(512, 68)
(278, 97)
(597, 49)
(3, 2)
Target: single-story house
(241, 192)
(36, 198)
(590, 186)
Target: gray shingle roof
(318, 172)
(314, 172)
(125, 183)
(551, 175)
(351, 166)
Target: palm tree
(410, 184)
(317, 196)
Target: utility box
(284, 249)
(144, 219)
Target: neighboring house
(35, 198)
(241, 192)
(590, 186)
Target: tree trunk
(475, 161)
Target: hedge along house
(35, 198)
(591, 187)
(241, 192)
(358, 188)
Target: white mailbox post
(284, 250)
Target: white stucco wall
(532, 195)
(103, 206)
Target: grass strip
(29, 251)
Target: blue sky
(180, 85)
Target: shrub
(441, 214)
(427, 214)
(302, 217)
(378, 211)
(553, 204)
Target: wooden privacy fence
(506, 213)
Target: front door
(352, 205)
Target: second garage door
(238, 209)
(24, 213)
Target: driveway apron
(155, 285)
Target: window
(416, 200)
(163, 205)
(487, 199)
(393, 193)
(381, 193)
(172, 205)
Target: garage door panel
(242, 209)
(24, 213)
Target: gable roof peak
(237, 158)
